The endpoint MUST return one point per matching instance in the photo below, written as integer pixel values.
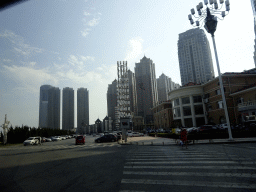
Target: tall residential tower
(67, 108)
(49, 107)
(254, 15)
(195, 57)
(82, 108)
(146, 87)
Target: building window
(187, 111)
(176, 112)
(197, 99)
(220, 104)
(239, 100)
(206, 96)
(176, 102)
(218, 92)
(199, 109)
(209, 107)
(185, 100)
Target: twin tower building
(49, 107)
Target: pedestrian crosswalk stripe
(189, 183)
(147, 156)
(192, 162)
(247, 175)
(130, 191)
(189, 167)
(186, 159)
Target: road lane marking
(190, 183)
(247, 175)
(193, 162)
(186, 159)
(189, 167)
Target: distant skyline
(77, 44)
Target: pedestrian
(183, 137)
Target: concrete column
(192, 110)
(205, 116)
(181, 113)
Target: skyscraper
(82, 108)
(195, 57)
(146, 87)
(67, 108)
(132, 93)
(49, 107)
(254, 14)
(112, 99)
(54, 108)
(162, 87)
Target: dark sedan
(106, 138)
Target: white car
(56, 138)
(31, 141)
(136, 134)
(129, 134)
(48, 139)
(141, 134)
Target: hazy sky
(75, 44)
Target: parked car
(56, 138)
(141, 134)
(129, 134)
(106, 138)
(48, 139)
(136, 134)
(205, 129)
(31, 141)
(223, 126)
(80, 139)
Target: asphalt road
(64, 166)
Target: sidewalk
(148, 140)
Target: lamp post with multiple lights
(209, 17)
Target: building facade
(132, 93)
(194, 104)
(163, 87)
(254, 14)
(67, 108)
(146, 86)
(112, 101)
(49, 107)
(195, 59)
(83, 109)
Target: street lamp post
(209, 17)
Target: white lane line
(130, 191)
(181, 157)
(247, 175)
(193, 162)
(186, 159)
(190, 183)
(189, 167)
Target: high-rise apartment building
(146, 86)
(82, 108)
(254, 14)
(195, 57)
(112, 100)
(163, 87)
(67, 108)
(49, 107)
(132, 93)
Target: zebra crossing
(52, 147)
(184, 170)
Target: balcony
(246, 106)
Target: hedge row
(18, 134)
